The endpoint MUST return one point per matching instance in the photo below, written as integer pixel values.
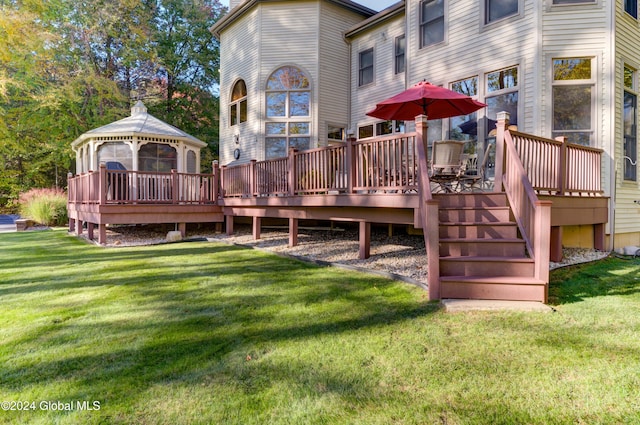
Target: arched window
(191, 162)
(115, 156)
(238, 105)
(288, 111)
(157, 157)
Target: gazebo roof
(140, 123)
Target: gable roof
(140, 123)
(238, 11)
(379, 18)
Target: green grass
(203, 333)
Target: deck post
(215, 181)
(556, 244)
(102, 182)
(501, 126)
(599, 236)
(229, 224)
(562, 166)
(174, 187)
(72, 224)
(257, 223)
(542, 241)
(182, 227)
(102, 234)
(90, 227)
(293, 177)
(221, 179)
(293, 232)
(365, 240)
(79, 226)
(432, 240)
(253, 187)
(351, 164)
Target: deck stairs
(482, 255)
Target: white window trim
(634, 90)
(595, 80)
(484, 25)
(445, 37)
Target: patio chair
(475, 176)
(446, 164)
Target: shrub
(44, 206)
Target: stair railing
(532, 215)
(428, 211)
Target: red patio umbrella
(426, 99)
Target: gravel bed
(399, 256)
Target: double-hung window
(365, 67)
(574, 1)
(502, 87)
(573, 99)
(631, 7)
(630, 123)
(432, 22)
(399, 54)
(499, 9)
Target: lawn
(205, 333)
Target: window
(335, 133)
(399, 56)
(381, 128)
(365, 67)
(573, 1)
(499, 9)
(114, 154)
(191, 161)
(238, 105)
(431, 22)
(502, 95)
(465, 127)
(288, 110)
(573, 91)
(631, 7)
(630, 124)
(157, 157)
(365, 131)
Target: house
(559, 67)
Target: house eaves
(384, 15)
(238, 11)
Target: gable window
(288, 111)
(573, 105)
(499, 9)
(365, 67)
(630, 124)
(399, 55)
(431, 22)
(238, 105)
(631, 7)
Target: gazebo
(140, 142)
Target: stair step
(493, 288)
(497, 230)
(474, 215)
(482, 200)
(478, 247)
(486, 266)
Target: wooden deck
(540, 186)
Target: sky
(371, 4)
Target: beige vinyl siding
(290, 37)
(627, 213)
(386, 82)
(473, 49)
(237, 61)
(333, 69)
(581, 30)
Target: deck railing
(128, 187)
(381, 164)
(532, 215)
(557, 167)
